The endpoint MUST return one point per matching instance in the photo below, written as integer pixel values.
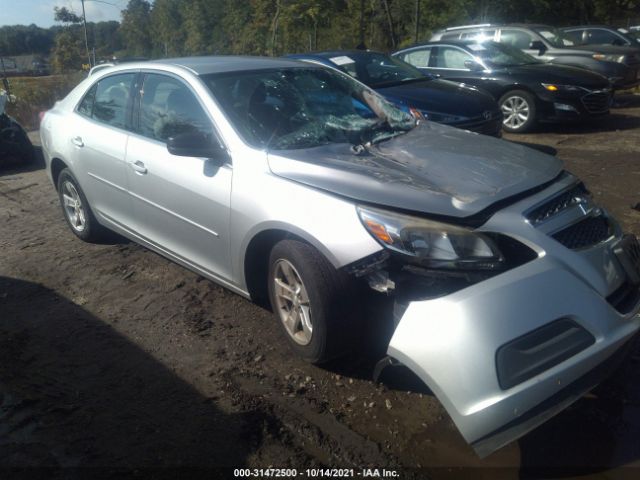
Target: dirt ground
(113, 357)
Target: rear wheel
(519, 111)
(310, 299)
(76, 208)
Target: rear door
(99, 136)
(181, 204)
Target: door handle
(77, 141)
(139, 167)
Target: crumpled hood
(433, 169)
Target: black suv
(621, 65)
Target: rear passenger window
(86, 105)
(168, 108)
(107, 100)
(418, 58)
(451, 57)
(478, 36)
(450, 36)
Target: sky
(40, 12)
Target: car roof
(336, 53)
(218, 63)
(454, 42)
(608, 27)
(489, 26)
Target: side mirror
(617, 42)
(473, 65)
(539, 46)
(196, 145)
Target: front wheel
(519, 111)
(311, 301)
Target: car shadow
(75, 393)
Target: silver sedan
(504, 288)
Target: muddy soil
(116, 359)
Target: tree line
(272, 27)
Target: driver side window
(168, 108)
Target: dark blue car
(438, 100)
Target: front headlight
(609, 57)
(429, 243)
(554, 87)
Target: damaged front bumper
(452, 344)
(505, 354)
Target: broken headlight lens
(431, 244)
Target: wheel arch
(255, 267)
(514, 87)
(57, 165)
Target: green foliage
(36, 94)
(136, 27)
(165, 28)
(21, 40)
(68, 53)
(166, 23)
(64, 15)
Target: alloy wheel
(516, 112)
(73, 207)
(292, 302)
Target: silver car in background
(507, 291)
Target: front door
(181, 204)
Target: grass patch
(35, 94)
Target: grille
(585, 233)
(557, 204)
(596, 102)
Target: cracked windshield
(295, 108)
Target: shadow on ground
(76, 393)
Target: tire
(79, 216)
(326, 295)
(519, 110)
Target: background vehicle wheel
(519, 110)
(312, 301)
(76, 209)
